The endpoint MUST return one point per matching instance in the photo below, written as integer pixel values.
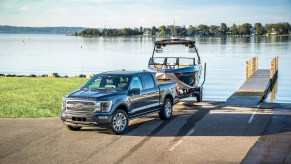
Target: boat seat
(182, 66)
(159, 66)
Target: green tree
(181, 31)
(163, 30)
(268, 27)
(90, 32)
(223, 29)
(259, 28)
(141, 29)
(234, 29)
(245, 29)
(286, 27)
(192, 30)
(154, 30)
(204, 29)
(214, 29)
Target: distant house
(273, 32)
(147, 32)
(253, 31)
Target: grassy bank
(34, 97)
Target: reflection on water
(66, 55)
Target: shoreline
(148, 36)
(50, 75)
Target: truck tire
(73, 128)
(167, 109)
(200, 95)
(119, 122)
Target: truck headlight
(64, 104)
(104, 106)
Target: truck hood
(92, 94)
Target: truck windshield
(108, 83)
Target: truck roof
(129, 73)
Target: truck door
(150, 92)
(137, 102)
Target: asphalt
(208, 132)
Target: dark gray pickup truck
(112, 98)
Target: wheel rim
(119, 122)
(168, 109)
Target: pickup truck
(113, 98)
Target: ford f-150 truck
(112, 98)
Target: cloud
(24, 8)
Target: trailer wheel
(200, 95)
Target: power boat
(184, 69)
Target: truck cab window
(136, 83)
(148, 82)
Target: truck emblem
(79, 106)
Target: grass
(25, 97)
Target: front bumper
(81, 119)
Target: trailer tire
(200, 95)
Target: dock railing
(251, 66)
(274, 67)
(257, 85)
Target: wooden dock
(257, 85)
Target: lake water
(68, 55)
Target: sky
(136, 13)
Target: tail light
(177, 90)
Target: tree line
(39, 30)
(282, 28)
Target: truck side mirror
(135, 91)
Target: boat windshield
(107, 83)
(174, 51)
(171, 62)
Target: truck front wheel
(73, 128)
(119, 122)
(167, 109)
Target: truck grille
(81, 105)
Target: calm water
(66, 55)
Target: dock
(257, 85)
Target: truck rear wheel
(73, 128)
(167, 109)
(119, 122)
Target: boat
(186, 70)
